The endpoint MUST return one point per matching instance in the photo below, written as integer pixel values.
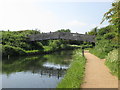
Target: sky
(77, 15)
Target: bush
(55, 44)
(109, 36)
(102, 48)
(63, 46)
(107, 29)
(12, 51)
(36, 46)
(19, 39)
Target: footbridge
(62, 35)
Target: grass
(99, 53)
(75, 74)
(112, 62)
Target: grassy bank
(113, 63)
(75, 74)
(97, 52)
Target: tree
(113, 14)
(64, 30)
(93, 31)
(86, 33)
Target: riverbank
(75, 74)
(10, 51)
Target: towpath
(97, 75)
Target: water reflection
(50, 67)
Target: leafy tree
(113, 14)
(109, 36)
(64, 30)
(93, 31)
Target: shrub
(10, 50)
(102, 48)
(63, 46)
(55, 44)
(109, 36)
(36, 46)
(19, 39)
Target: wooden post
(8, 56)
(83, 51)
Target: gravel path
(97, 75)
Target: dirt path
(97, 75)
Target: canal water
(41, 71)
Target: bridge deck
(62, 35)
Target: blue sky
(80, 17)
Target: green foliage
(105, 30)
(64, 30)
(63, 46)
(113, 14)
(75, 74)
(47, 48)
(33, 52)
(12, 51)
(102, 48)
(55, 44)
(36, 46)
(18, 38)
(106, 41)
(109, 36)
(93, 31)
(15, 42)
(112, 62)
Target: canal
(39, 71)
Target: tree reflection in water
(50, 65)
